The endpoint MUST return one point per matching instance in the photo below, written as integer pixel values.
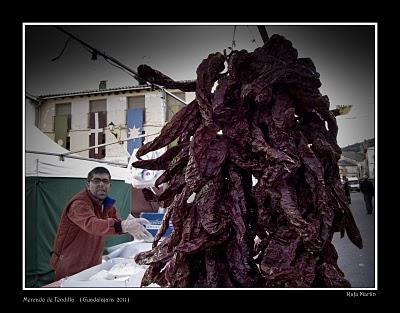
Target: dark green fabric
(30, 238)
(45, 199)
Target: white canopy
(51, 166)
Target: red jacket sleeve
(82, 215)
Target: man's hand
(135, 227)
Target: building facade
(81, 120)
(370, 158)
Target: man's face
(100, 185)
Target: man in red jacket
(85, 222)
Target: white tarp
(127, 249)
(51, 166)
(102, 276)
(119, 269)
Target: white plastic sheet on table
(99, 276)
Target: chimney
(103, 85)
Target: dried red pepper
(265, 121)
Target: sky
(344, 56)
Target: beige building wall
(156, 115)
(79, 121)
(79, 114)
(29, 112)
(371, 162)
(80, 140)
(116, 109)
(47, 113)
(153, 107)
(190, 96)
(116, 113)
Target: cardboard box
(156, 220)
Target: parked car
(354, 184)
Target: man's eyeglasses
(97, 181)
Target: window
(62, 123)
(174, 105)
(98, 105)
(68, 143)
(63, 109)
(103, 149)
(137, 102)
(96, 123)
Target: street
(357, 264)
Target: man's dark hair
(98, 170)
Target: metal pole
(263, 32)
(173, 96)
